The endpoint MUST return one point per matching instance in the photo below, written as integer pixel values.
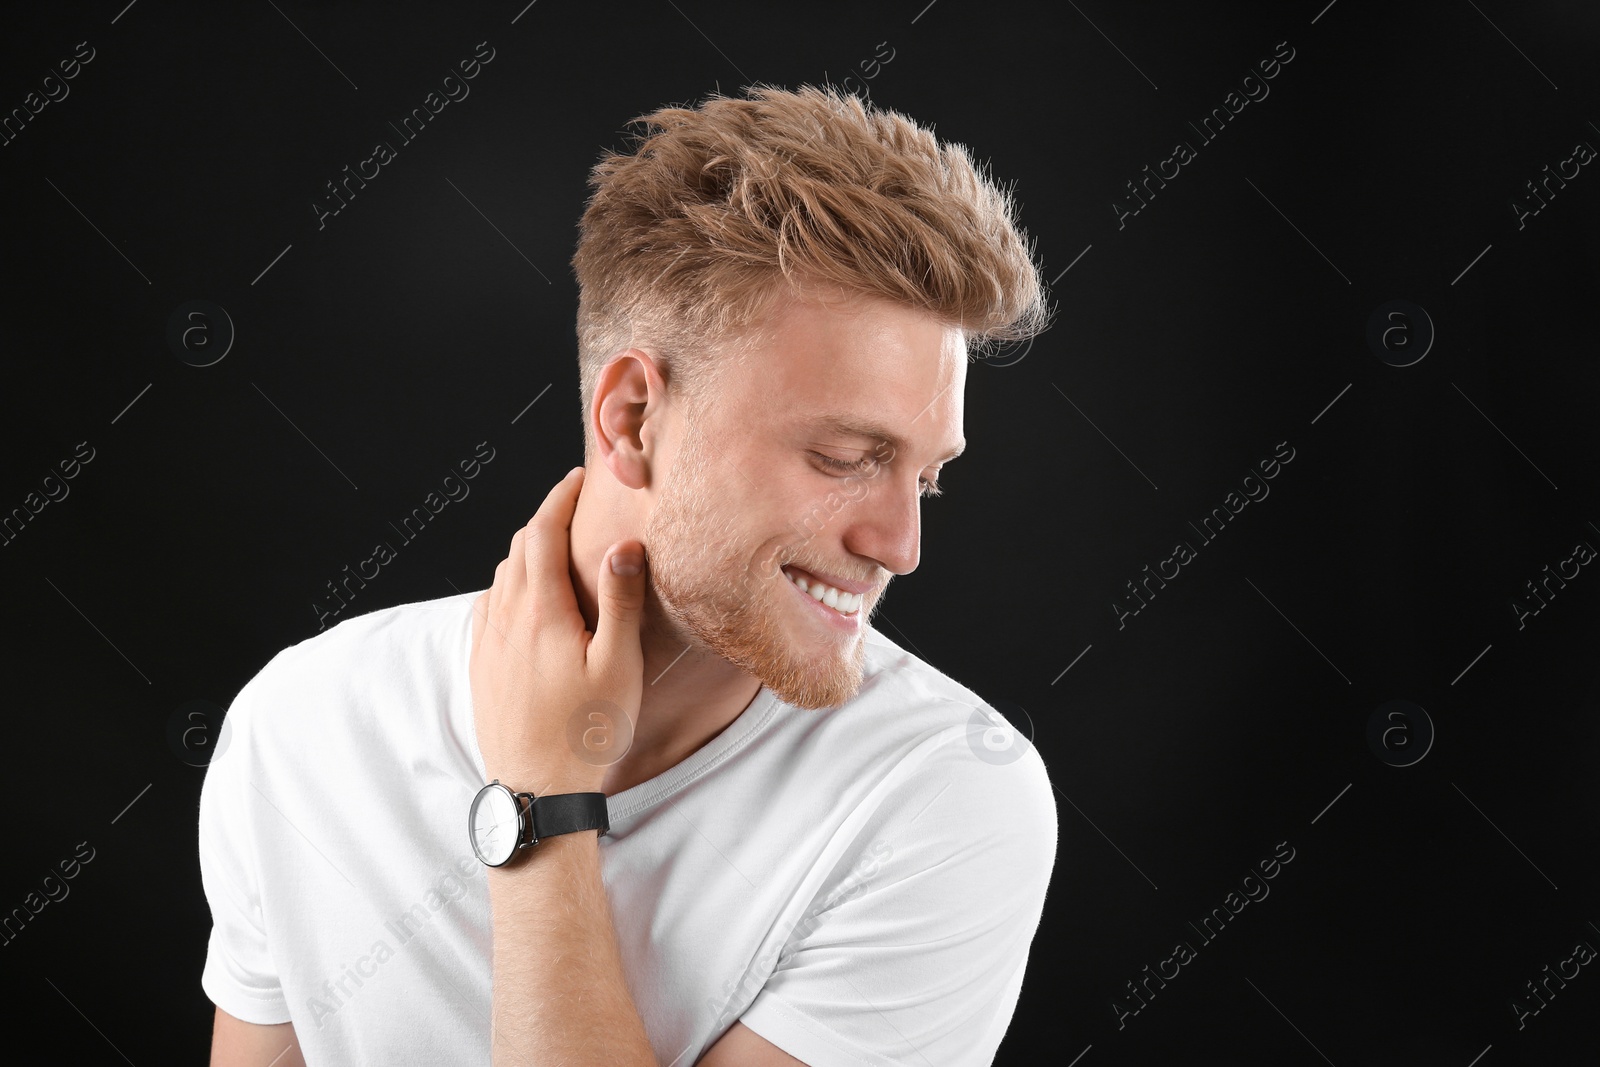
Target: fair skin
(715, 500)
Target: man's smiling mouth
(837, 599)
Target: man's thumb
(622, 583)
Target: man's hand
(538, 675)
(535, 671)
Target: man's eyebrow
(851, 426)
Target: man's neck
(690, 696)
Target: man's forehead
(866, 368)
(908, 400)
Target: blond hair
(686, 240)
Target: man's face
(749, 495)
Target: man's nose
(886, 524)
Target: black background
(1228, 315)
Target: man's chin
(813, 684)
(799, 675)
(781, 648)
(815, 698)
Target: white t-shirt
(859, 885)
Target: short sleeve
(916, 954)
(239, 975)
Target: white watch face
(493, 822)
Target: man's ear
(627, 415)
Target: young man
(767, 835)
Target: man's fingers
(547, 547)
(511, 577)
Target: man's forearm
(560, 995)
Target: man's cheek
(854, 489)
(751, 584)
(765, 569)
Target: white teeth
(840, 601)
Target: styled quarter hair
(722, 212)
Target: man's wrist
(579, 846)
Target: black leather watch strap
(565, 813)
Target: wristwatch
(501, 823)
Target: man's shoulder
(923, 696)
(950, 735)
(934, 770)
(356, 656)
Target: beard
(717, 594)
